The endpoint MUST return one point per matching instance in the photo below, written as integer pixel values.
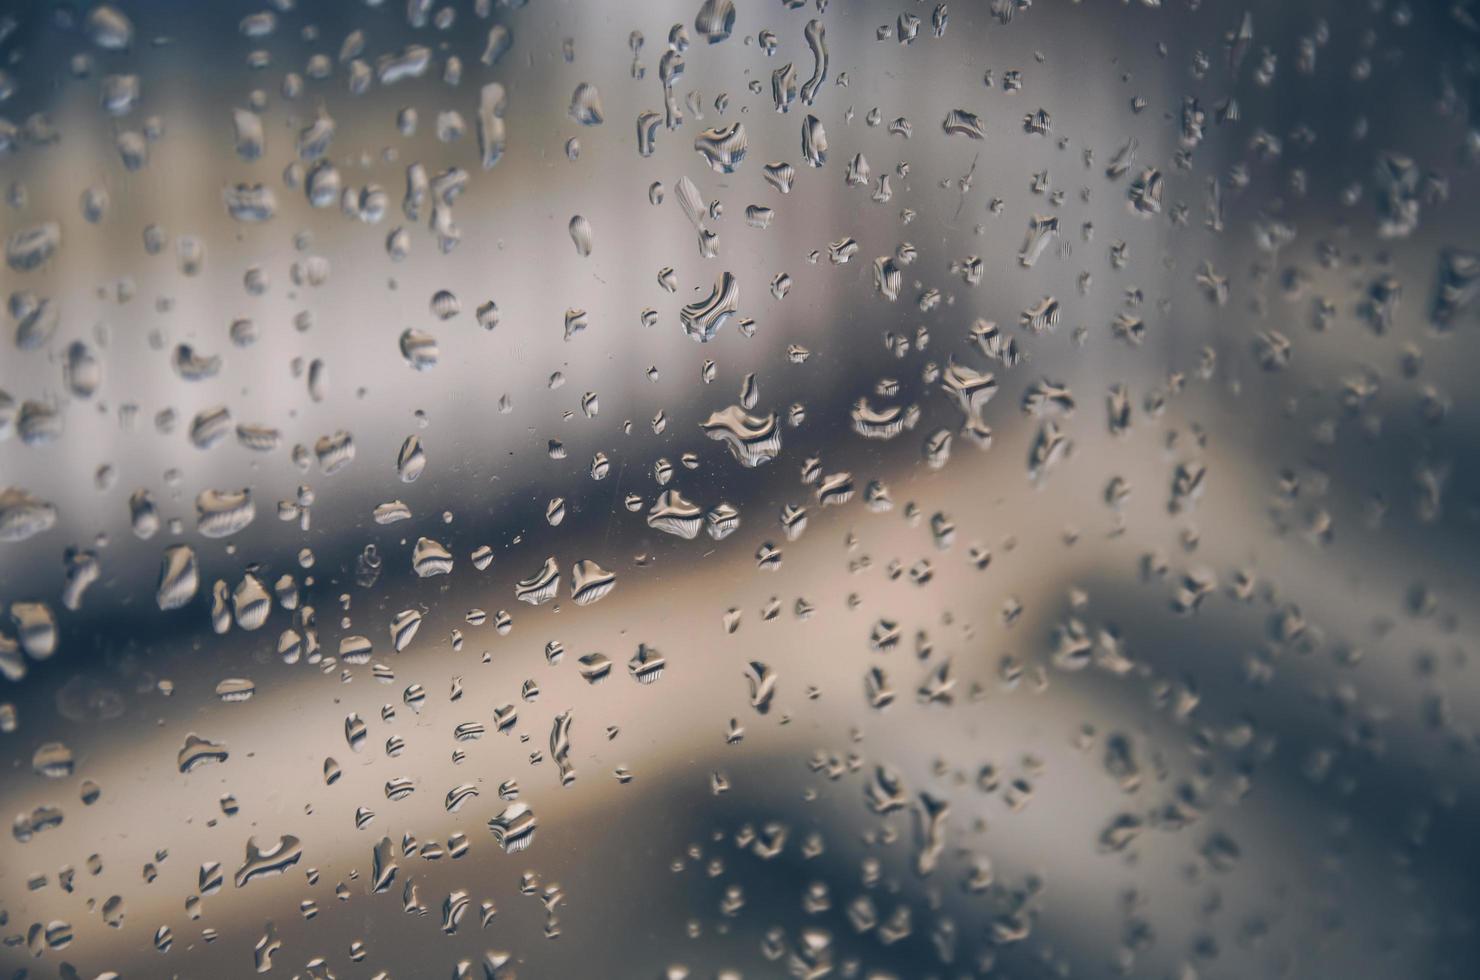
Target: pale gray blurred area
(1286, 651)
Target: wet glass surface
(747, 489)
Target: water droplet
(429, 558)
(513, 828)
(585, 105)
(53, 760)
(23, 516)
(235, 689)
(702, 320)
(540, 587)
(960, 122)
(411, 460)
(222, 513)
(751, 439)
(179, 577)
(715, 20)
(261, 864)
(589, 582)
(580, 234)
(814, 142)
(762, 681)
(198, 752)
(723, 148)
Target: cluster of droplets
(921, 312)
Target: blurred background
(1128, 640)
